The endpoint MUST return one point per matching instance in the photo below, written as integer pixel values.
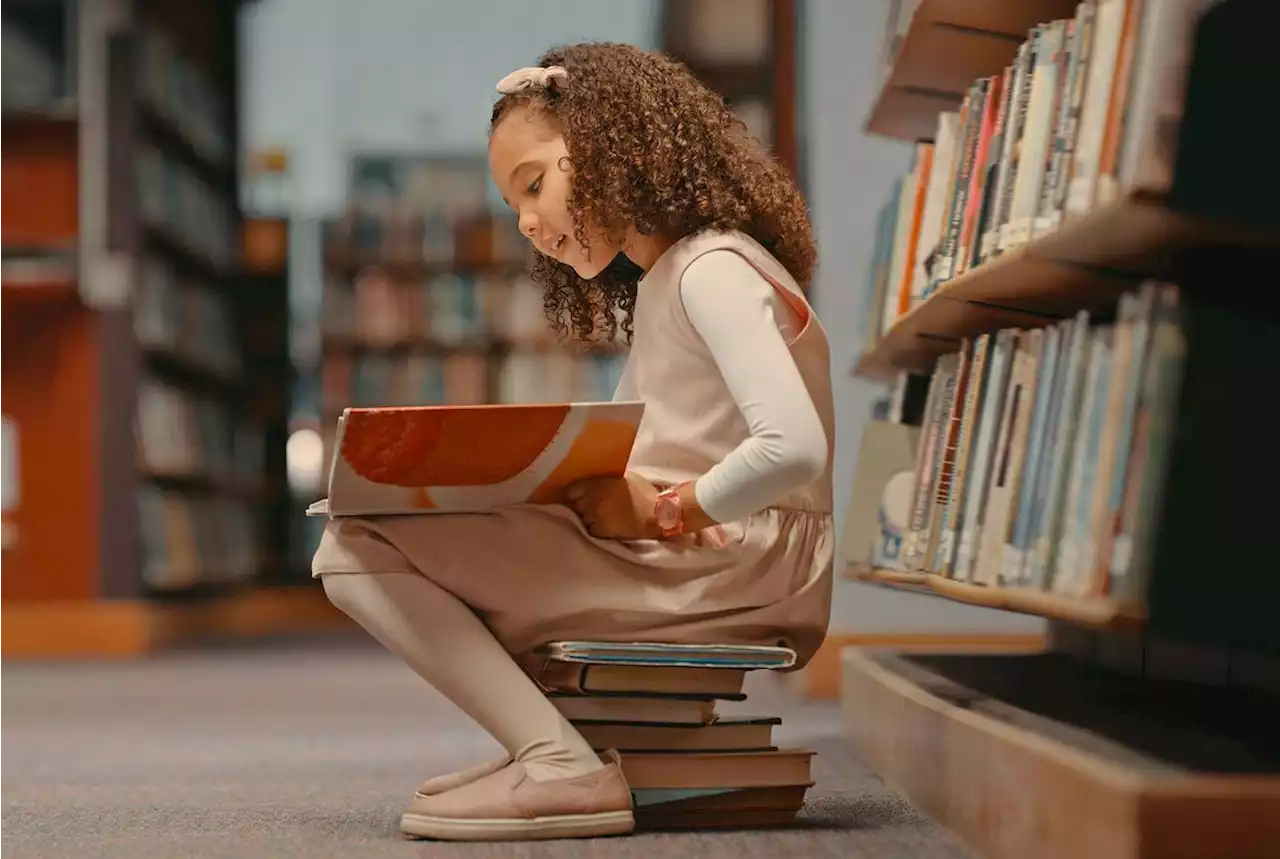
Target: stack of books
(689, 767)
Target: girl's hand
(616, 508)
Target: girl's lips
(553, 249)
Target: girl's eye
(535, 186)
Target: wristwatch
(669, 511)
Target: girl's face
(530, 166)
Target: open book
(428, 459)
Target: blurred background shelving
(145, 363)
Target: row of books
(367, 380)
(184, 94)
(183, 434)
(424, 184)
(559, 376)
(179, 203)
(383, 310)
(375, 379)
(1089, 107)
(657, 705)
(189, 540)
(1042, 452)
(185, 317)
(394, 231)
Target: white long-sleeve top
(746, 326)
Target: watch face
(668, 511)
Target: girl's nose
(528, 225)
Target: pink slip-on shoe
(449, 781)
(509, 806)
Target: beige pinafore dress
(532, 572)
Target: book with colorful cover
(442, 459)
(652, 654)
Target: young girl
(645, 200)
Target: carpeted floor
(311, 749)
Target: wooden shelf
(1097, 613)
(890, 577)
(1085, 265)
(100, 628)
(38, 290)
(948, 45)
(1032, 756)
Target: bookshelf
(142, 356)
(933, 50)
(1084, 265)
(1067, 274)
(746, 50)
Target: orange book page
(420, 459)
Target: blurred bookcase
(143, 360)
(746, 50)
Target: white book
(899, 277)
(1010, 144)
(1104, 52)
(978, 482)
(1157, 89)
(1057, 457)
(1067, 562)
(986, 567)
(1037, 135)
(1109, 441)
(931, 218)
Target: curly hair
(652, 148)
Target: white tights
(448, 646)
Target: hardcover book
(652, 654)
(441, 459)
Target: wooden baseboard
(115, 628)
(820, 679)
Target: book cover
(431, 459)
(658, 654)
(726, 734)
(978, 484)
(632, 709)
(638, 681)
(782, 767)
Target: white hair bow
(533, 77)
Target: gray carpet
(311, 749)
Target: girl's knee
(348, 592)
(364, 595)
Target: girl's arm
(741, 319)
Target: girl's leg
(448, 646)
